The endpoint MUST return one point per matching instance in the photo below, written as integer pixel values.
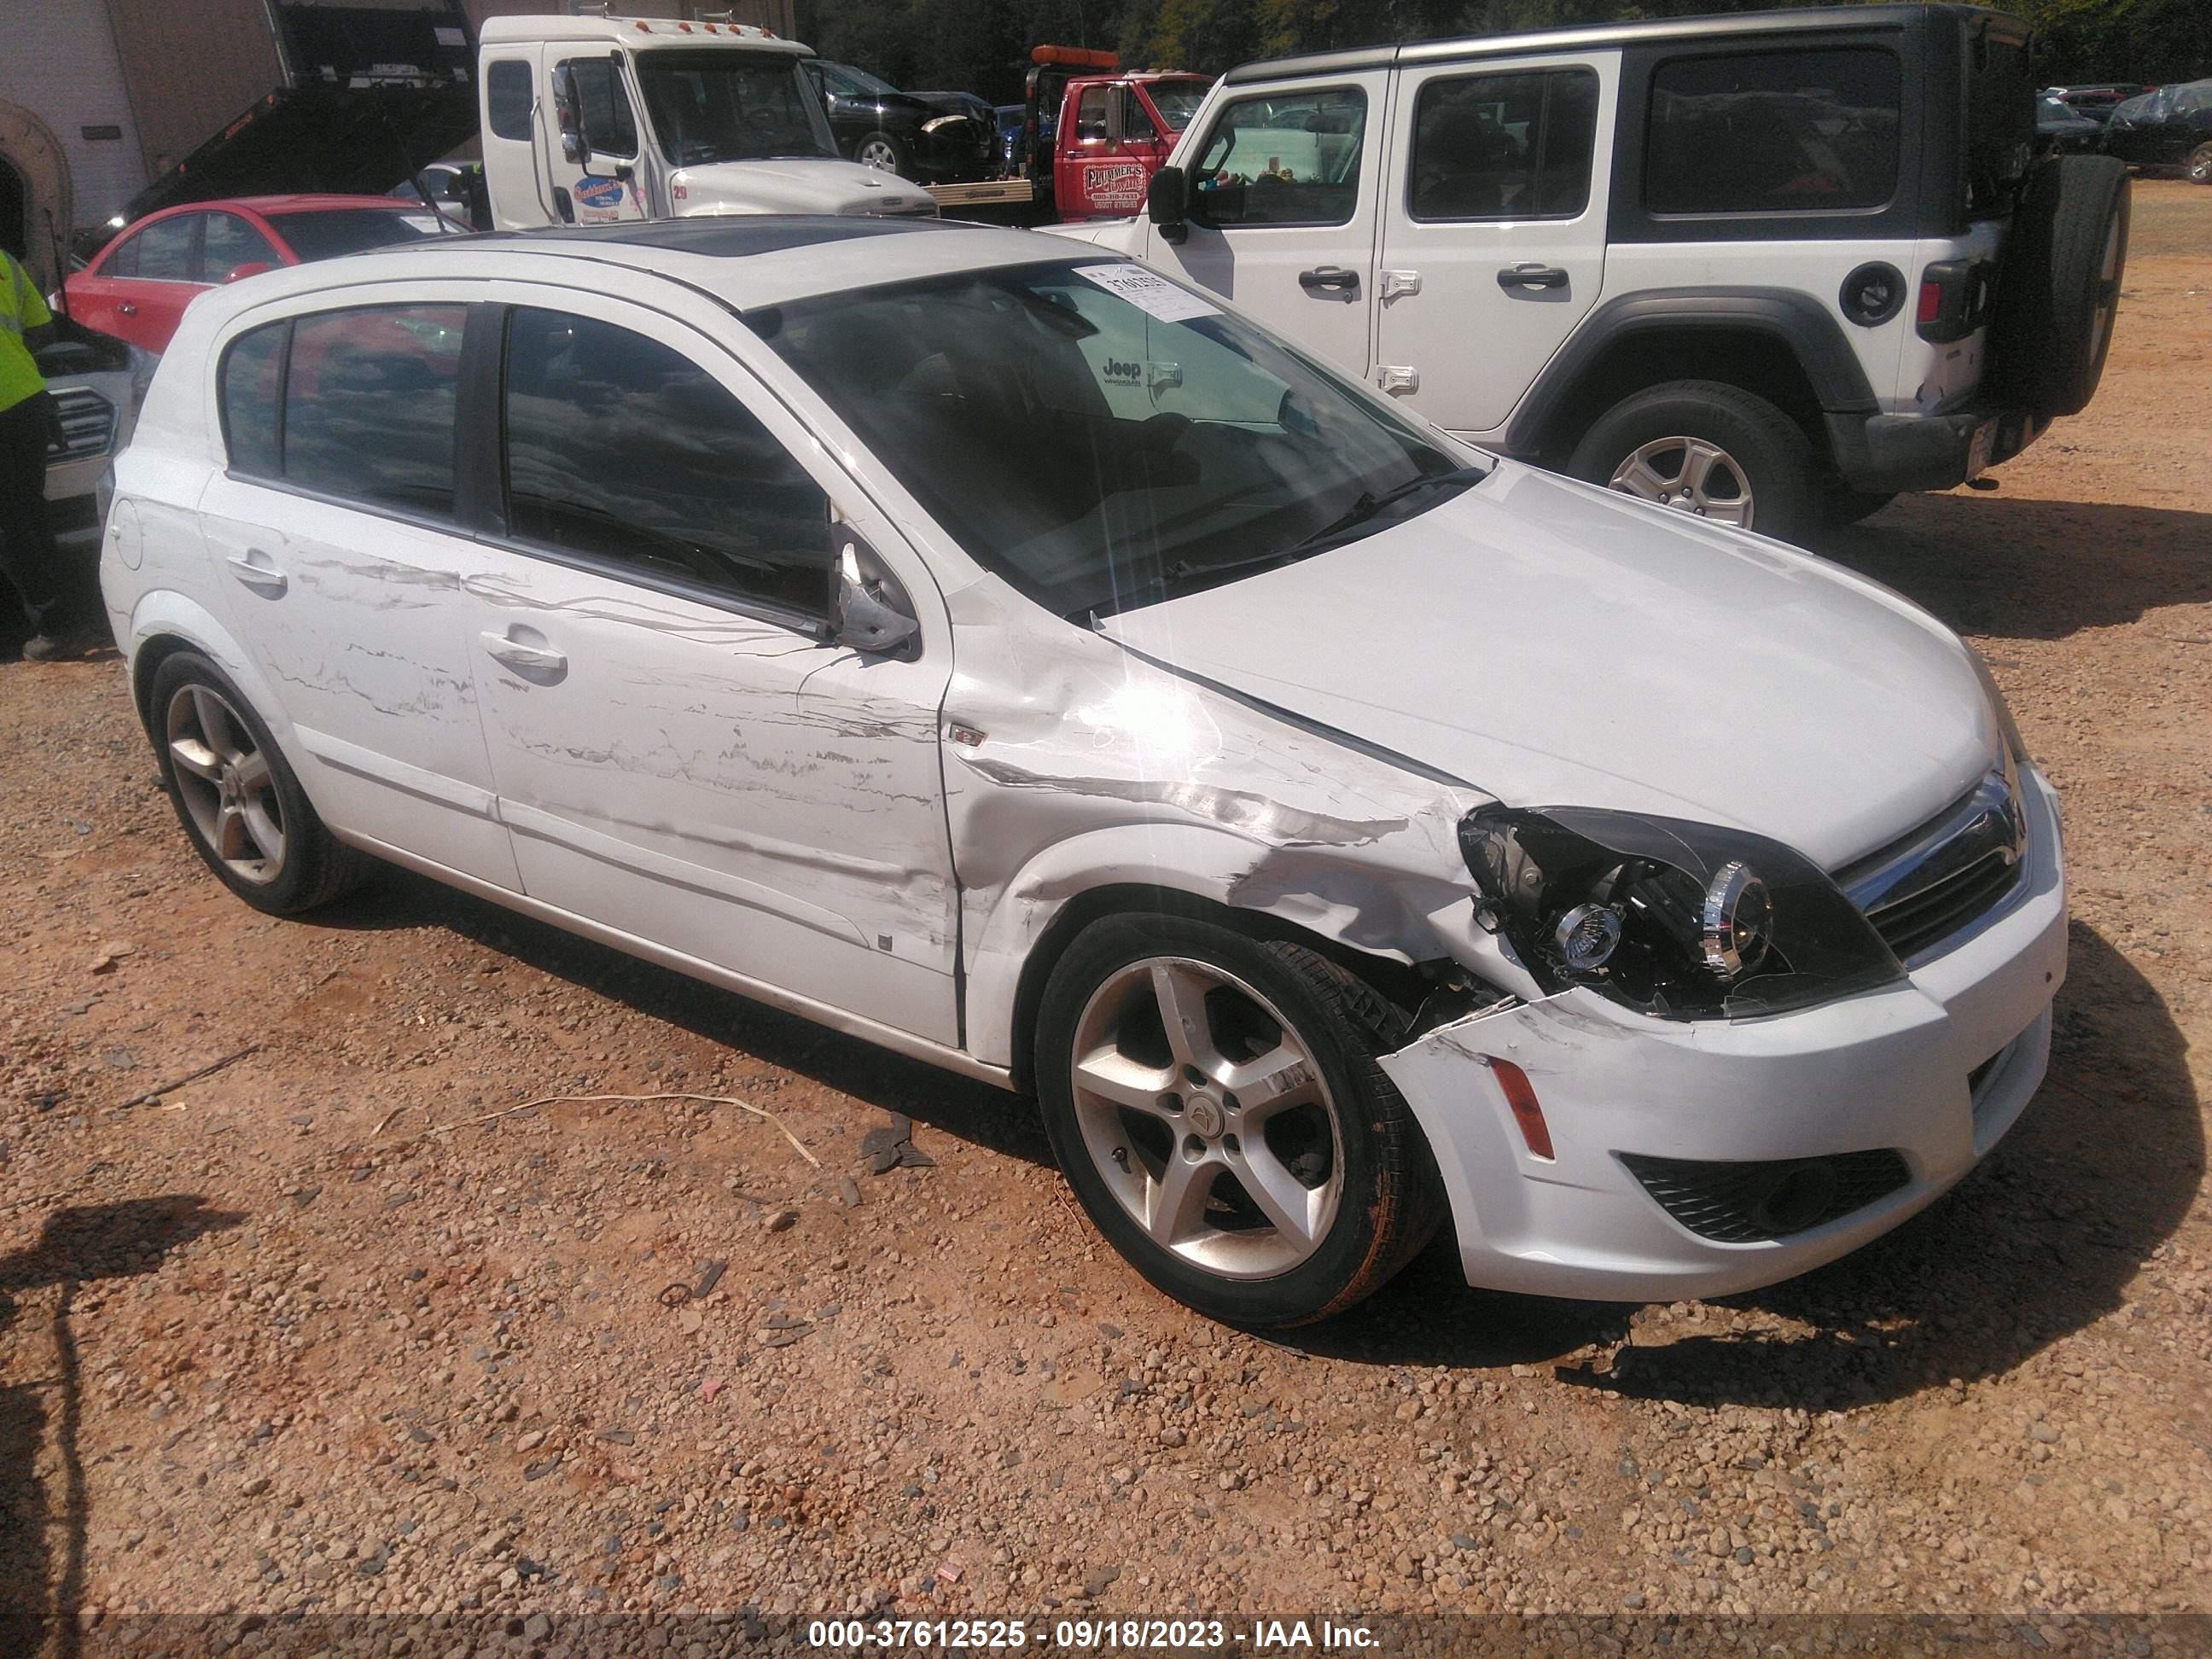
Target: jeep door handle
(1531, 276)
(538, 662)
(1332, 279)
(252, 568)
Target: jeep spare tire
(2060, 285)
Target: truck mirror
(569, 111)
(1164, 204)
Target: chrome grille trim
(1925, 892)
(88, 423)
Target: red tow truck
(1092, 136)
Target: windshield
(1101, 437)
(731, 107)
(1176, 100)
(856, 82)
(332, 232)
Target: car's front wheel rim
(878, 154)
(1206, 1114)
(1691, 474)
(226, 784)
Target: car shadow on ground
(975, 1112)
(2039, 1242)
(78, 1245)
(2016, 568)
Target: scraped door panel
(678, 755)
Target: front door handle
(540, 663)
(1531, 276)
(252, 568)
(126, 309)
(1331, 279)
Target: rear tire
(1278, 1205)
(2059, 290)
(240, 805)
(1654, 444)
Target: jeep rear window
(1779, 132)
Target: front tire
(885, 153)
(241, 805)
(1214, 1102)
(2200, 165)
(1711, 451)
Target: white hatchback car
(997, 651)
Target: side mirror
(1166, 203)
(873, 612)
(251, 268)
(569, 111)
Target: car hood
(794, 184)
(1553, 644)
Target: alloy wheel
(1207, 1117)
(1691, 474)
(226, 784)
(877, 153)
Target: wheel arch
(164, 622)
(1780, 344)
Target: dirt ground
(320, 1332)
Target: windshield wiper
(1368, 506)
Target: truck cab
(593, 120)
(1113, 134)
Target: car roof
(744, 262)
(1812, 20)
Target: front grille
(1753, 1203)
(88, 423)
(1933, 883)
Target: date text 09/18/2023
(1132, 1635)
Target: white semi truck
(591, 120)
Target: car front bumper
(1935, 1069)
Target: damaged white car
(1008, 656)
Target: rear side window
(1514, 146)
(252, 375)
(508, 97)
(367, 405)
(1773, 132)
(1282, 160)
(231, 242)
(622, 449)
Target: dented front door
(680, 756)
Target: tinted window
(163, 251)
(332, 232)
(370, 403)
(1290, 160)
(1773, 132)
(1090, 115)
(1504, 146)
(605, 106)
(620, 448)
(508, 96)
(231, 242)
(253, 369)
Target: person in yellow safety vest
(28, 555)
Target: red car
(138, 286)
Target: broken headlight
(1678, 919)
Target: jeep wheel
(2059, 286)
(1214, 1102)
(2200, 165)
(1710, 450)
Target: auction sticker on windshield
(1153, 294)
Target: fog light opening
(1521, 1097)
(1797, 1197)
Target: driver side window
(604, 107)
(1277, 160)
(629, 453)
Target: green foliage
(982, 46)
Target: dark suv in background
(933, 138)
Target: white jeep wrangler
(1770, 268)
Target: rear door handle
(125, 308)
(1332, 279)
(538, 662)
(1532, 276)
(252, 568)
